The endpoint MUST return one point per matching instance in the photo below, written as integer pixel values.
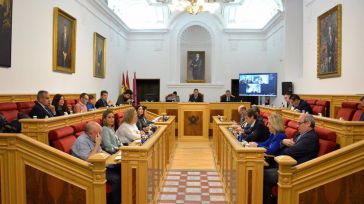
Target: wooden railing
(32, 97)
(39, 128)
(144, 168)
(336, 177)
(216, 137)
(241, 170)
(32, 172)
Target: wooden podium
(194, 121)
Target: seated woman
(110, 141)
(58, 103)
(143, 123)
(276, 129)
(128, 131)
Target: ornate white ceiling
(239, 14)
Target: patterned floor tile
(192, 187)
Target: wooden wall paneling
(32, 97)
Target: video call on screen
(264, 84)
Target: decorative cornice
(196, 85)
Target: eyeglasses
(300, 123)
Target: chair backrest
(78, 128)
(70, 103)
(347, 110)
(357, 115)
(291, 129)
(9, 111)
(118, 118)
(318, 109)
(312, 102)
(25, 107)
(325, 105)
(327, 139)
(62, 138)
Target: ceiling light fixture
(194, 8)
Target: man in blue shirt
(88, 144)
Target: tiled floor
(183, 186)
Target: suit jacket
(303, 105)
(101, 103)
(193, 99)
(306, 147)
(223, 99)
(258, 132)
(40, 112)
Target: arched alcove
(195, 38)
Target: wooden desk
(194, 121)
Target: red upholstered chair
(9, 111)
(291, 129)
(318, 109)
(62, 138)
(118, 118)
(70, 103)
(78, 128)
(358, 113)
(326, 105)
(285, 121)
(312, 102)
(25, 107)
(347, 110)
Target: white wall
(32, 41)
(351, 80)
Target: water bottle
(35, 117)
(240, 138)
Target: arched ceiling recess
(235, 14)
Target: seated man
(257, 132)
(300, 104)
(88, 144)
(125, 98)
(227, 97)
(362, 104)
(173, 97)
(43, 107)
(302, 148)
(103, 102)
(81, 107)
(195, 97)
(91, 103)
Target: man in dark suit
(195, 97)
(302, 148)
(102, 102)
(257, 131)
(300, 104)
(43, 107)
(227, 97)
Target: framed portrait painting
(64, 42)
(329, 43)
(195, 66)
(99, 55)
(5, 32)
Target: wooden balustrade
(39, 128)
(33, 97)
(32, 172)
(216, 137)
(241, 169)
(348, 132)
(144, 168)
(336, 177)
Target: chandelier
(193, 8)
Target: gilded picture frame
(329, 31)
(64, 42)
(99, 55)
(6, 13)
(196, 66)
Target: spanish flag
(123, 89)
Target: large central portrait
(195, 66)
